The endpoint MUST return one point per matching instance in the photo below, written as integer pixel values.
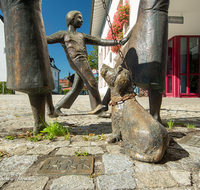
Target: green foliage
(11, 137)
(89, 137)
(101, 137)
(35, 138)
(66, 91)
(93, 58)
(191, 126)
(6, 90)
(67, 136)
(179, 123)
(95, 175)
(80, 153)
(60, 90)
(39, 137)
(170, 123)
(55, 129)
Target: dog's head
(118, 78)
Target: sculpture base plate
(67, 166)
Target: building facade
(183, 65)
(56, 76)
(3, 70)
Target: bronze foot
(96, 110)
(58, 112)
(53, 115)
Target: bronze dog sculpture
(145, 138)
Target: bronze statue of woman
(27, 56)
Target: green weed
(170, 123)
(89, 137)
(179, 123)
(95, 175)
(55, 129)
(191, 126)
(11, 137)
(80, 153)
(35, 138)
(101, 137)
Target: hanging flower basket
(120, 18)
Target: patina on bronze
(67, 166)
(74, 44)
(146, 52)
(27, 54)
(145, 138)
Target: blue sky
(54, 13)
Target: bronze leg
(50, 108)
(83, 69)
(71, 96)
(38, 108)
(106, 99)
(155, 101)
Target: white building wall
(105, 54)
(189, 10)
(3, 69)
(55, 74)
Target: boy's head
(70, 17)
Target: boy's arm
(104, 42)
(57, 37)
(98, 41)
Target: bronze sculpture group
(29, 70)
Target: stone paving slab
(28, 183)
(78, 182)
(15, 166)
(155, 179)
(114, 182)
(182, 177)
(117, 164)
(179, 169)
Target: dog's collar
(121, 99)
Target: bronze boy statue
(74, 44)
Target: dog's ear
(122, 82)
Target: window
(169, 69)
(189, 65)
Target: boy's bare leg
(83, 69)
(71, 96)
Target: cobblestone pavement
(179, 169)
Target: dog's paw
(113, 138)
